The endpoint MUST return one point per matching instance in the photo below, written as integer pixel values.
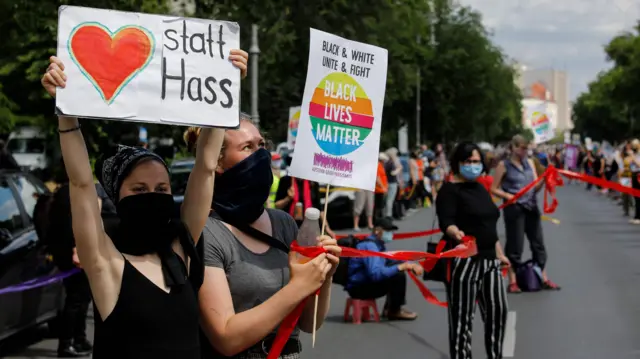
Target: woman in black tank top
(145, 297)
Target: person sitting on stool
(375, 277)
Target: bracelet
(70, 129)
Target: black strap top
(148, 322)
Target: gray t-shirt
(253, 278)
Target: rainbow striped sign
(338, 136)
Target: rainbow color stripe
(361, 122)
(540, 122)
(293, 124)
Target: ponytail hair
(191, 138)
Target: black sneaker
(69, 351)
(83, 346)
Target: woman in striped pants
(465, 208)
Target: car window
(28, 194)
(26, 145)
(179, 181)
(10, 217)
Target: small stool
(361, 310)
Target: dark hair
(462, 152)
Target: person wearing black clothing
(144, 276)
(465, 208)
(72, 334)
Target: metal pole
(254, 50)
(418, 99)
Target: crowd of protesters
(215, 280)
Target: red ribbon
(290, 321)
(551, 178)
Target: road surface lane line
(509, 345)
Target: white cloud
(563, 34)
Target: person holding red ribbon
(465, 208)
(523, 216)
(250, 283)
(635, 178)
(375, 277)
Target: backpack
(529, 276)
(342, 272)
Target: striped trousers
(476, 279)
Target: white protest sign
(339, 130)
(149, 68)
(537, 117)
(292, 127)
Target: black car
(23, 257)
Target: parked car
(23, 257)
(180, 171)
(28, 147)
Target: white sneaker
(634, 221)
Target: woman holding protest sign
(250, 285)
(145, 298)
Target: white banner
(339, 130)
(150, 68)
(292, 127)
(537, 118)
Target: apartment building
(549, 85)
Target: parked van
(28, 147)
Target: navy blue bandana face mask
(241, 191)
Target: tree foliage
(467, 85)
(610, 109)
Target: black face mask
(241, 191)
(145, 223)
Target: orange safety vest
(420, 164)
(382, 177)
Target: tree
(469, 85)
(607, 110)
(467, 89)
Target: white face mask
(530, 153)
(277, 164)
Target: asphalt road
(593, 254)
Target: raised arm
(95, 251)
(199, 192)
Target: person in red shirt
(382, 186)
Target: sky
(566, 35)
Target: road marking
(509, 345)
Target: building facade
(551, 86)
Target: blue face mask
(387, 236)
(471, 171)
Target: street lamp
(254, 50)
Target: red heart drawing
(110, 60)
